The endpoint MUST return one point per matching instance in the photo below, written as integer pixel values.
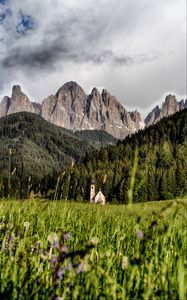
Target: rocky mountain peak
(4, 106)
(136, 118)
(71, 88)
(169, 107)
(16, 89)
(16, 103)
(95, 92)
(109, 100)
(106, 96)
(19, 101)
(170, 99)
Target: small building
(96, 198)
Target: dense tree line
(161, 168)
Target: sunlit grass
(111, 252)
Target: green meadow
(60, 250)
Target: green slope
(40, 149)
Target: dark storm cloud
(42, 57)
(46, 56)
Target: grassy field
(57, 250)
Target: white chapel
(96, 198)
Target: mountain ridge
(73, 109)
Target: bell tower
(92, 191)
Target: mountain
(17, 103)
(160, 165)
(40, 149)
(169, 107)
(72, 109)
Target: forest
(156, 157)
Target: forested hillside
(161, 168)
(33, 150)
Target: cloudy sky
(136, 49)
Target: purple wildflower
(67, 236)
(64, 250)
(80, 269)
(69, 267)
(55, 244)
(9, 242)
(53, 261)
(57, 298)
(140, 234)
(60, 274)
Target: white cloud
(136, 49)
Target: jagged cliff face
(73, 109)
(4, 106)
(66, 108)
(17, 103)
(169, 107)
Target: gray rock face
(169, 107)
(4, 106)
(17, 103)
(37, 108)
(73, 109)
(66, 108)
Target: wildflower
(9, 242)
(80, 268)
(64, 250)
(140, 234)
(67, 236)
(53, 261)
(125, 262)
(95, 241)
(60, 273)
(69, 267)
(55, 244)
